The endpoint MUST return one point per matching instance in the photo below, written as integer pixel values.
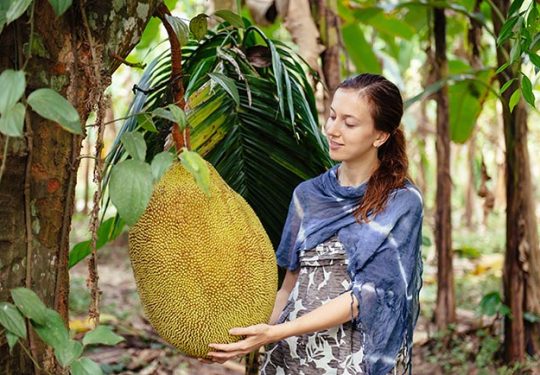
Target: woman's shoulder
(407, 197)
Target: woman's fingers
(235, 346)
(224, 356)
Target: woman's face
(350, 129)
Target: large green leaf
(131, 188)
(360, 51)
(54, 331)
(12, 121)
(17, 9)
(12, 320)
(102, 335)
(29, 304)
(68, 351)
(13, 84)
(53, 106)
(85, 366)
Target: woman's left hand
(256, 336)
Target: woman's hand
(256, 336)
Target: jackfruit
(202, 264)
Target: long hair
(386, 108)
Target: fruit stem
(181, 139)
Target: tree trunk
(38, 187)
(328, 23)
(445, 310)
(521, 272)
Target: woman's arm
(331, 314)
(283, 294)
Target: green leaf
(535, 59)
(11, 340)
(514, 99)
(134, 144)
(506, 86)
(54, 331)
(178, 115)
(180, 29)
(164, 113)
(16, 9)
(145, 121)
(29, 304)
(514, 7)
(196, 165)
(85, 366)
(506, 29)
(53, 106)
(13, 84)
(160, 164)
(360, 51)
(527, 89)
(490, 303)
(102, 335)
(199, 26)
(426, 241)
(231, 17)
(228, 85)
(60, 6)
(502, 67)
(12, 121)
(12, 320)
(109, 230)
(68, 351)
(131, 188)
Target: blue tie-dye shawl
(385, 264)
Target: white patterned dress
(338, 350)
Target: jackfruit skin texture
(202, 264)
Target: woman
(351, 246)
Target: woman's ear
(381, 139)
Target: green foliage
(12, 320)
(102, 335)
(253, 119)
(131, 188)
(50, 327)
(134, 144)
(53, 106)
(108, 230)
(232, 18)
(491, 304)
(194, 163)
(160, 164)
(60, 6)
(13, 84)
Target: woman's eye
(350, 125)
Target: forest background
(468, 71)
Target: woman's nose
(330, 128)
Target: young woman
(351, 246)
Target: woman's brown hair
(386, 108)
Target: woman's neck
(354, 174)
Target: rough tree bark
(521, 272)
(445, 310)
(37, 189)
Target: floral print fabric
(322, 277)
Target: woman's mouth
(334, 145)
